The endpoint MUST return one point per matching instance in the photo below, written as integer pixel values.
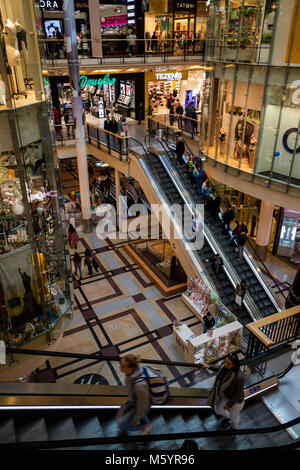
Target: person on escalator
(180, 147)
(227, 396)
(240, 292)
(216, 263)
(227, 217)
(132, 415)
(239, 238)
(200, 179)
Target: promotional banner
(95, 28)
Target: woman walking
(240, 292)
(227, 395)
(73, 236)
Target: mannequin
(13, 56)
(12, 52)
(22, 46)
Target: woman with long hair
(227, 395)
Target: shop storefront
(232, 116)
(235, 29)
(180, 20)
(289, 239)
(185, 86)
(102, 95)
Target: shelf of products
(225, 337)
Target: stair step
(60, 428)
(34, 430)
(7, 431)
(88, 427)
(159, 426)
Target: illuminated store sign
(169, 76)
(97, 81)
(50, 4)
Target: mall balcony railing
(161, 125)
(120, 51)
(273, 332)
(218, 50)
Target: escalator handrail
(65, 443)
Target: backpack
(158, 385)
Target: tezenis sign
(106, 80)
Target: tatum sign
(97, 81)
(169, 76)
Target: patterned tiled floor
(117, 311)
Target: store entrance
(184, 27)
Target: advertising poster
(288, 232)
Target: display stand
(224, 338)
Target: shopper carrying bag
(227, 396)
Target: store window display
(20, 50)
(34, 291)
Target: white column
(264, 228)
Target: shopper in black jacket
(216, 263)
(227, 396)
(227, 217)
(209, 322)
(180, 147)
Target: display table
(224, 338)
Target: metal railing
(162, 124)
(53, 49)
(275, 331)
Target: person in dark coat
(172, 113)
(216, 263)
(180, 148)
(179, 111)
(227, 217)
(227, 396)
(216, 207)
(209, 322)
(107, 127)
(140, 113)
(238, 233)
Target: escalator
(96, 429)
(260, 304)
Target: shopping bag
(126, 406)
(238, 300)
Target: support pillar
(72, 56)
(264, 228)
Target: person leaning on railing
(227, 396)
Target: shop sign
(169, 76)
(50, 5)
(184, 6)
(106, 80)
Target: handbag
(126, 406)
(239, 300)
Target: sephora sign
(51, 5)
